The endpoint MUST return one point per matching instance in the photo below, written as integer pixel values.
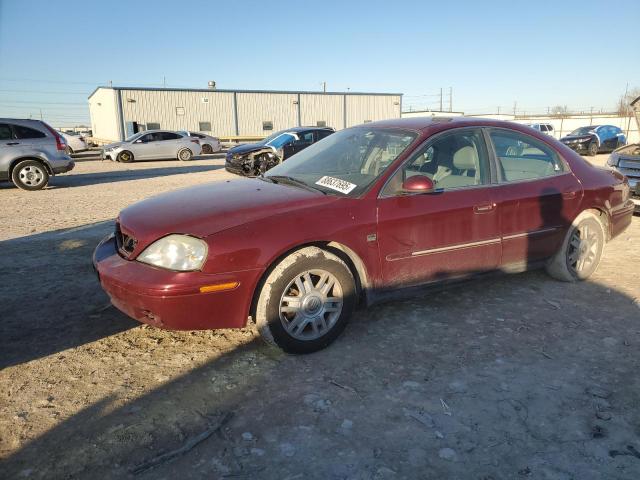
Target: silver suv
(31, 152)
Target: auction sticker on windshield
(341, 186)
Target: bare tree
(624, 103)
(559, 110)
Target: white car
(209, 144)
(545, 128)
(75, 143)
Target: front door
(452, 231)
(537, 197)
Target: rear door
(169, 143)
(537, 196)
(450, 232)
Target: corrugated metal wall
(184, 110)
(256, 108)
(362, 108)
(178, 110)
(322, 107)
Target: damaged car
(626, 160)
(254, 159)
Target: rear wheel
(306, 301)
(30, 175)
(125, 156)
(593, 148)
(206, 149)
(581, 250)
(185, 155)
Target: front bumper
(578, 147)
(172, 300)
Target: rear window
(26, 132)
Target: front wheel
(593, 148)
(185, 155)
(30, 175)
(306, 301)
(581, 250)
(125, 157)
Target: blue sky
(492, 53)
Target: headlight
(584, 140)
(176, 252)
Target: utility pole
(515, 105)
(451, 99)
(164, 81)
(498, 109)
(440, 98)
(41, 115)
(324, 87)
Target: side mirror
(418, 184)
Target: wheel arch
(346, 254)
(37, 159)
(602, 215)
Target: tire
(185, 155)
(577, 259)
(30, 175)
(69, 150)
(207, 149)
(294, 310)
(125, 157)
(593, 148)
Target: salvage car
(595, 139)
(626, 160)
(208, 143)
(365, 214)
(153, 145)
(256, 158)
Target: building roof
(209, 90)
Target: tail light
(61, 145)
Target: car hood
(212, 207)
(577, 137)
(246, 148)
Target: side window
(26, 132)
(521, 157)
(5, 132)
(169, 136)
(305, 138)
(320, 134)
(453, 160)
(149, 137)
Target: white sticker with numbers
(341, 186)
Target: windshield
(280, 140)
(134, 137)
(583, 130)
(346, 162)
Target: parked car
(255, 158)
(153, 145)
(595, 139)
(545, 128)
(75, 142)
(208, 143)
(626, 160)
(31, 152)
(365, 213)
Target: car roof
(421, 124)
(304, 129)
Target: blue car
(595, 139)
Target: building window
(367, 121)
(153, 126)
(267, 125)
(321, 123)
(204, 127)
(179, 110)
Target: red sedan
(359, 215)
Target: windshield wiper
(295, 182)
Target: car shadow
(50, 296)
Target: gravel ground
(504, 377)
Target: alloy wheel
(31, 175)
(311, 304)
(583, 248)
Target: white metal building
(118, 112)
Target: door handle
(484, 208)
(568, 195)
(13, 143)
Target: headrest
(465, 158)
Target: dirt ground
(504, 377)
